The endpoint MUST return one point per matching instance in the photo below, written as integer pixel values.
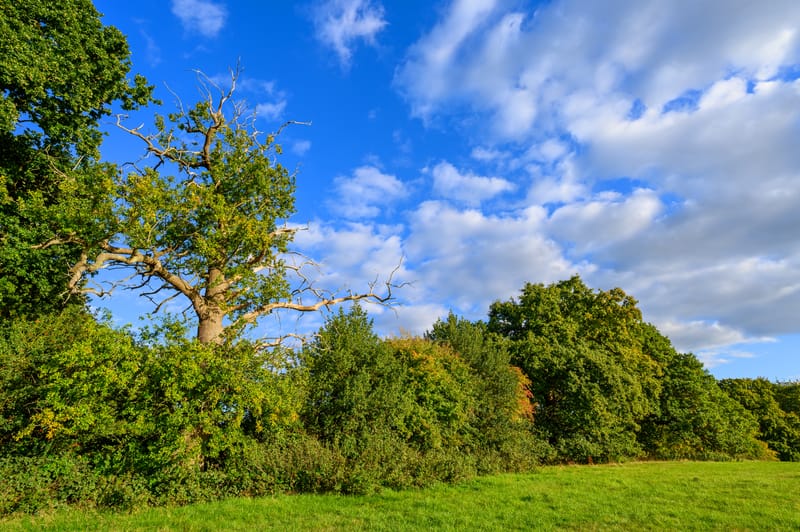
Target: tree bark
(210, 328)
(210, 321)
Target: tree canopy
(591, 381)
(203, 217)
(61, 70)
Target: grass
(635, 496)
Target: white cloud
(301, 147)
(519, 67)
(341, 24)
(471, 259)
(434, 56)
(481, 153)
(702, 226)
(605, 219)
(202, 16)
(366, 193)
(469, 188)
(271, 110)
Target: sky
(472, 146)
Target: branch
(323, 301)
(147, 266)
(277, 342)
(290, 123)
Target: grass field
(636, 496)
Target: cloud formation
(468, 188)
(342, 24)
(200, 16)
(366, 193)
(659, 143)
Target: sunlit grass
(636, 496)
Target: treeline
(93, 415)
(96, 416)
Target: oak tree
(203, 217)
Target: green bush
(779, 429)
(68, 384)
(405, 412)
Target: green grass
(636, 496)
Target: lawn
(634, 496)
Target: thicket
(95, 416)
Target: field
(635, 496)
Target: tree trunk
(209, 324)
(209, 328)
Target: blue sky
(651, 145)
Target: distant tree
(60, 72)
(788, 396)
(202, 218)
(695, 418)
(779, 429)
(591, 381)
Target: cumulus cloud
(366, 193)
(661, 150)
(606, 218)
(301, 147)
(471, 259)
(467, 187)
(202, 16)
(520, 66)
(342, 24)
(271, 110)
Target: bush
(68, 383)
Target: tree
(779, 429)
(502, 394)
(788, 396)
(206, 219)
(695, 419)
(60, 72)
(591, 381)
(355, 384)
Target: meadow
(632, 496)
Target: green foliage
(696, 419)
(503, 414)
(354, 384)
(779, 429)
(591, 381)
(788, 396)
(68, 383)
(408, 411)
(174, 422)
(61, 70)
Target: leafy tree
(60, 72)
(591, 381)
(355, 385)
(695, 418)
(788, 396)
(779, 429)
(503, 409)
(205, 220)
